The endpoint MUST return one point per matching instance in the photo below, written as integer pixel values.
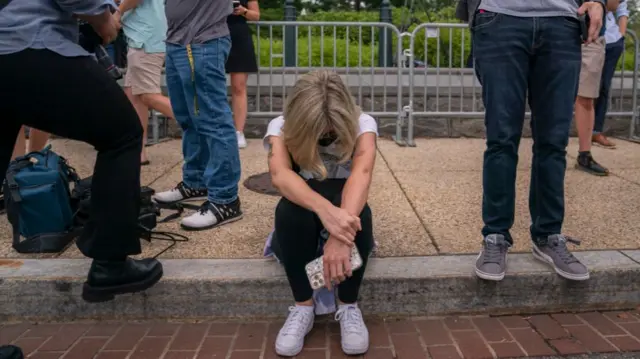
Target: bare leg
(239, 99)
(20, 145)
(37, 140)
(585, 117)
(158, 102)
(143, 114)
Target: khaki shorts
(144, 72)
(591, 71)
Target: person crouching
(321, 157)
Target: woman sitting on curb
(321, 157)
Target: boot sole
(104, 294)
(599, 174)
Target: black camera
(92, 42)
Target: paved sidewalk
(414, 338)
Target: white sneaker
(242, 142)
(180, 193)
(212, 215)
(355, 336)
(290, 339)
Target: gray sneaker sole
(490, 276)
(537, 254)
(291, 352)
(355, 350)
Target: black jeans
(614, 51)
(296, 241)
(73, 97)
(515, 56)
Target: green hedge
(449, 49)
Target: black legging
(73, 97)
(296, 241)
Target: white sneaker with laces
(180, 193)
(299, 323)
(242, 142)
(355, 335)
(212, 215)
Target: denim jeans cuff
(222, 201)
(194, 184)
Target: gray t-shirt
(196, 21)
(532, 8)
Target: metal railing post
(385, 59)
(290, 40)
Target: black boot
(109, 278)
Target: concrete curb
(49, 289)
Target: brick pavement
(412, 338)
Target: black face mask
(327, 139)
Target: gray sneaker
(555, 253)
(491, 263)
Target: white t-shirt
(328, 153)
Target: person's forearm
(296, 190)
(622, 24)
(126, 5)
(252, 15)
(356, 192)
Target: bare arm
(622, 13)
(290, 184)
(126, 5)
(356, 189)
(253, 11)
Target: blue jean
(614, 51)
(199, 101)
(514, 56)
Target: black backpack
(11, 352)
(147, 220)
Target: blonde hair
(319, 102)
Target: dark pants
(469, 63)
(614, 51)
(514, 56)
(297, 232)
(75, 98)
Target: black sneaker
(587, 164)
(212, 215)
(491, 263)
(179, 194)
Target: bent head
(320, 111)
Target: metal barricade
(445, 89)
(349, 48)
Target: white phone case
(315, 268)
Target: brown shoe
(602, 141)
